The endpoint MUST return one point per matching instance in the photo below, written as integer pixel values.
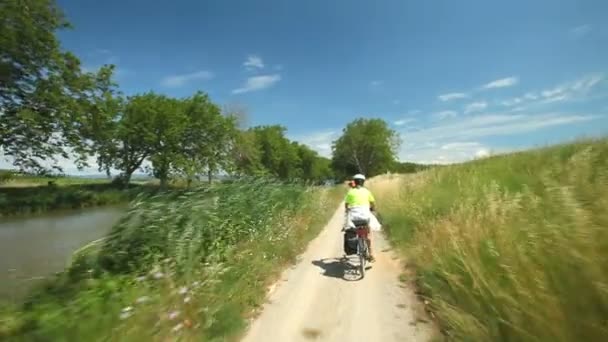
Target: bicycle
(362, 231)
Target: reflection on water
(32, 248)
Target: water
(36, 247)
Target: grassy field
(187, 265)
(509, 248)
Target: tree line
(50, 105)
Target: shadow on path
(339, 268)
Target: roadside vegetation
(193, 264)
(19, 201)
(509, 248)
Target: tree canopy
(43, 90)
(367, 146)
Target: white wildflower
(125, 315)
(127, 309)
(173, 315)
(183, 290)
(178, 327)
(142, 299)
(187, 299)
(158, 275)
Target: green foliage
(277, 155)
(189, 265)
(407, 167)
(43, 91)
(366, 146)
(312, 167)
(5, 176)
(207, 140)
(38, 199)
(265, 150)
(510, 248)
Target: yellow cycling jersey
(359, 196)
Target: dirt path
(321, 299)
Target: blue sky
(457, 79)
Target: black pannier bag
(350, 242)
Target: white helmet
(359, 176)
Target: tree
(278, 156)
(167, 125)
(246, 155)
(125, 134)
(366, 146)
(43, 91)
(312, 166)
(99, 124)
(208, 138)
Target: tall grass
(510, 248)
(188, 265)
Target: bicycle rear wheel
(362, 252)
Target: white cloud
(457, 140)
(253, 62)
(502, 83)
(403, 121)
(433, 153)
(175, 81)
(459, 145)
(573, 90)
(512, 102)
(496, 125)
(446, 114)
(258, 83)
(580, 31)
(475, 107)
(482, 153)
(452, 96)
(319, 141)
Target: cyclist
(359, 204)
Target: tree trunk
(127, 178)
(209, 175)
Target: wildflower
(158, 275)
(187, 299)
(127, 309)
(196, 284)
(178, 327)
(140, 279)
(142, 299)
(183, 290)
(173, 315)
(125, 315)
